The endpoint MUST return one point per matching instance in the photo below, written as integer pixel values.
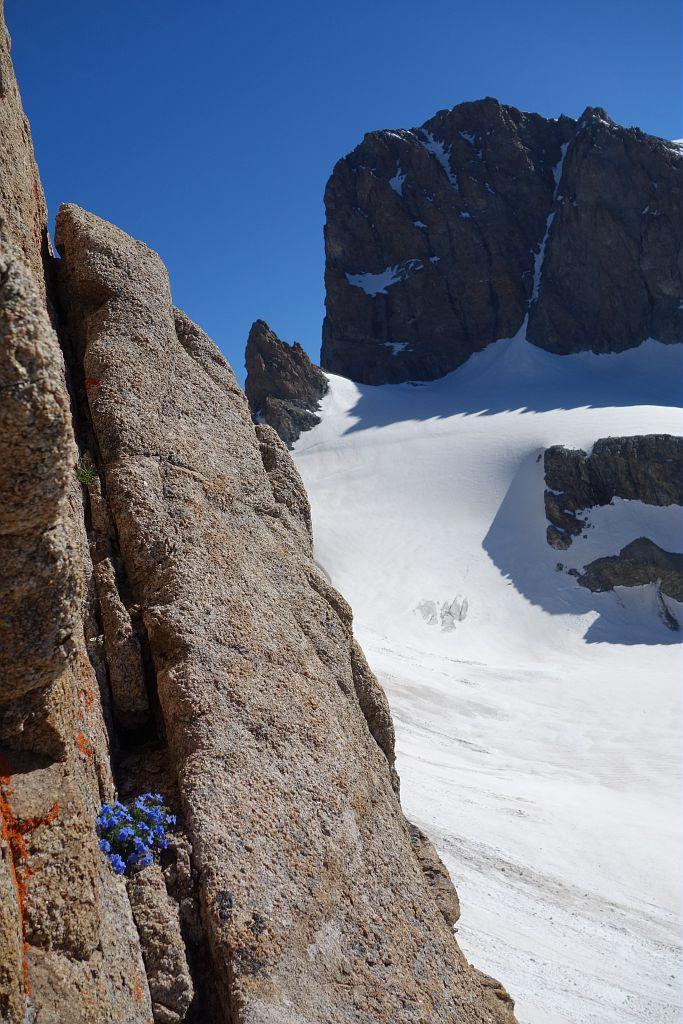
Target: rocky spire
(283, 386)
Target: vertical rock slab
(314, 905)
(79, 952)
(23, 215)
(612, 274)
(68, 946)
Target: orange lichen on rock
(15, 832)
(84, 745)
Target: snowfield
(538, 724)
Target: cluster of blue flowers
(130, 834)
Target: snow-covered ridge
(538, 724)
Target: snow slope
(537, 723)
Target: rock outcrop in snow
(283, 386)
(444, 238)
(647, 468)
(164, 627)
(639, 563)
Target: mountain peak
(443, 239)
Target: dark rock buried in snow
(640, 562)
(440, 240)
(283, 386)
(647, 468)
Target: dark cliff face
(611, 275)
(646, 467)
(442, 239)
(283, 386)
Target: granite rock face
(68, 946)
(23, 215)
(278, 736)
(283, 386)
(647, 468)
(442, 239)
(164, 627)
(437, 875)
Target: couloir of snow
(537, 723)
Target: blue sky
(208, 130)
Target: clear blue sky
(208, 129)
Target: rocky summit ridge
(165, 628)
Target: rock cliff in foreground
(442, 239)
(283, 386)
(164, 627)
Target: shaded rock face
(283, 386)
(279, 737)
(647, 468)
(441, 239)
(611, 273)
(69, 949)
(640, 562)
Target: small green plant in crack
(85, 474)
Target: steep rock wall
(313, 904)
(165, 628)
(442, 239)
(68, 946)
